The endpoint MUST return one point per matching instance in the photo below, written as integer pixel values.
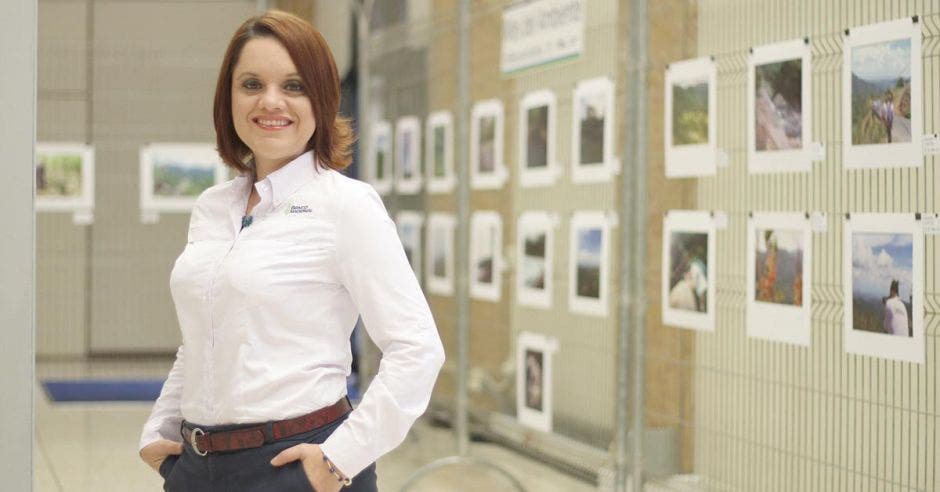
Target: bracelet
(346, 481)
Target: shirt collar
(291, 176)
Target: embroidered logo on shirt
(299, 209)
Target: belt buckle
(192, 441)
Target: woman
(279, 263)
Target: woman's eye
(251, 84)
(294, 87)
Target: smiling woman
(278, 78)
(279, 264)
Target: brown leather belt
(204, 442)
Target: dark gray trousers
(250, 470)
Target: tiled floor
(93, 447)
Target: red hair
(333, 137)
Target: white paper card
(818, 150)
(931, 144)
(931, 223)
(819, 222)
(721, 219)
(724, 160)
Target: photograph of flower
(779, 273)
(534, 354)
(884, 286)
(440, 253)
(882, 80)
(173, 175)
(690, 118)
(592, 153)
(486, 145)
(535, 256)
(485, 261)
(688, 271)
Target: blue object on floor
(60, 390)
(103, 389)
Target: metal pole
(363, 10)
(633, 255)
(634, 237)
(462, 121)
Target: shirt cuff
(342, 450)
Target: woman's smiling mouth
(272, 123)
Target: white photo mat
(548, 175)
(602, 89)
(691, 159)
(790, 160)
(381, 144)
(409, 230)
(440, 236)
(193, 155)
(446, 183)
(408, 155)
(884, 155)
(82, 205)
(902, 348)
(590, 221)
(779, 321)
(486, 236)
(535, 376)
(479, 179)
(534, 223)
(689, 222)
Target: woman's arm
(165, 418)
(372, 265)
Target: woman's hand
(311, 459)
(154, 453)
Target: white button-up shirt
(266, 313)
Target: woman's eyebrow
(252, 74)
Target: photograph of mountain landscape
(438, 252)
(778, 105)
(486, 156)
(438, 147)
(882, 283)
(778, 266)
(534, 259)
(881, 92)
(690, 113)
(589, 259)
(173, 177)
(537, 137)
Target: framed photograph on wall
(535, 258)
(779, 277)
(592, 139)
(408, 174)
(440, 253)
(486, 236)
(65, 177)
(534, 353)
(883, 261)
(688, 272)
(691, 118)
(537, 163)
(882, 96)
(487, 171)
(379, 169)
(589, 263)
(779, 97)
(409, 230)
(439, 152)
(173, 175)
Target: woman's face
(273, 115)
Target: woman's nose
(272, 99)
